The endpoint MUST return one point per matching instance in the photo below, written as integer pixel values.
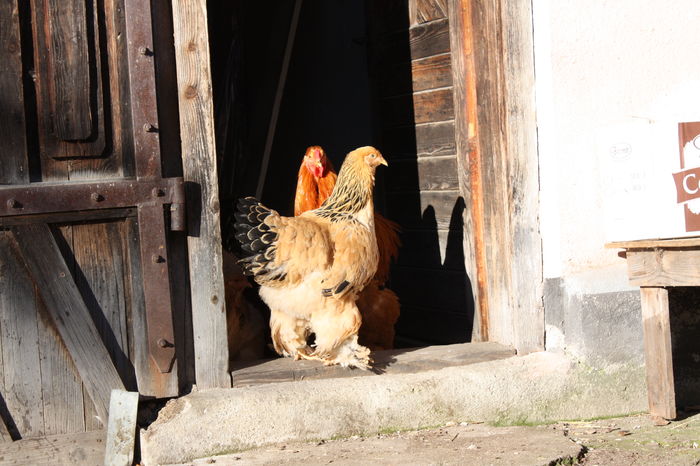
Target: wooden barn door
(92, 291)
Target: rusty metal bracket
(156, 285)
(45, 198)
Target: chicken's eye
(373, 155)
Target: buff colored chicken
(311, 268)
(378, 306)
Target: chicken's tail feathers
(257, 238)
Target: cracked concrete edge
(537, 388)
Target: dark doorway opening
(360, 73)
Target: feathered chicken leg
(288, 334)
(336, 328)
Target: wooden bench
(654, 266)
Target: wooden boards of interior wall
(496, 140)
(412, 80)
(200, 174)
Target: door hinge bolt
(14, 204)
(157, 259)
(145, 51)
(149, 128)
(97, 197)
(163, 343)
(158, 192)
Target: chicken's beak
(383, 161)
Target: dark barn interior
(359, 73)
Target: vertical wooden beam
(199, 170)
(13, 156)
(522, 184)
(19, 351)
(495, 128)
(657, 352)
(469, 156)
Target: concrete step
(396, 361)
(536, 388)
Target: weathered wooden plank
(100, 275)
(20, 342)
(397, 361)
(421, 41)
(494, 88)
(85, 448)
(13, 162)
(657, 352)
(423, 11)
(441, 210)
(51, 145)
(69, 313)
(61, 388)
(70, 69)
(199, 169)
(430, 139)
(432, 72)
(656, 243)
(463, 45)
(418, 75)
(425, 174)
(91, 419)
(522, 185)
(422, 107)
(121, 428)
(664, 267)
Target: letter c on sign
(685, 184)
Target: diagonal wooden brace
(69, 313)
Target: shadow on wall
(414, 126)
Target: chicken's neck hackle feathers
(353, 189)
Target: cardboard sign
(650, 174)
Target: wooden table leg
(657, 352)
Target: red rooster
(378, 306)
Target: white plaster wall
(599, 63)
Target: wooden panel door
(91, 211)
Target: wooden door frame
(496, 137)
(495, 131)
(202, 193)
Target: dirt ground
(637, 440)
(633, 440)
